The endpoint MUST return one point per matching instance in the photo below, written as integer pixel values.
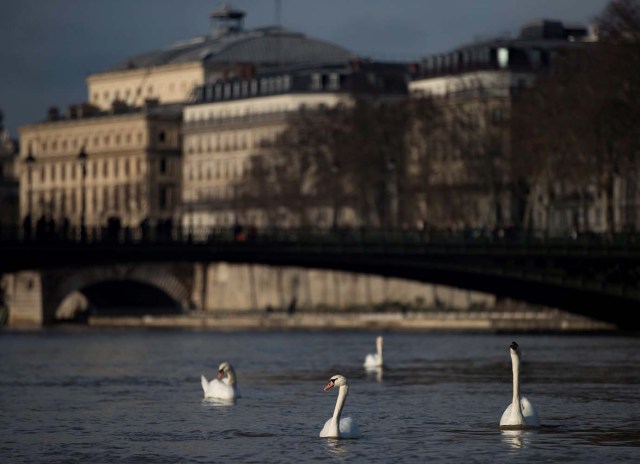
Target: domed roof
(266, 47)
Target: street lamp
(82, 157)
(28, 223)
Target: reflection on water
(337, 448)
(218, 402)
(374, 373)
(515, 438)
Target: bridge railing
(203, 235)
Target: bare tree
(339, 159)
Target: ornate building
(171, 74)
(131, 128)
(97, 167)
(233, 120)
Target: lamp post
(28, 223)
(82, 157)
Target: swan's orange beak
(329, 385)
(220, 373)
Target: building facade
(231, 121)
(131, 128)
(473, 161)
(129, 172)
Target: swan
(224, 387)
(374, 360)
(520, 413)
(337, 427)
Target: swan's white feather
(219, 389)
(348, 428)
(528, 412)
(371, 360)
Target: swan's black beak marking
(329, 385)
(513, 346)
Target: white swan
(373, 360)
(520, 413)
(337, 427)
(224, 387)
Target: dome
(263, 47)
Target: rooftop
(229, 42)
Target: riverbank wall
(467, 321)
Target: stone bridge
(41, 297)
(598, 278)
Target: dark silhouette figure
(292, 307)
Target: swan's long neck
(379, 349)
(337, 412)
(515, 365)
(231, 375)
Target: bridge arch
(70, 288)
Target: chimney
(53, 113)
(86, 110)
(118, 106)
(72, 111)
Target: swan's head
(222, 368)
(380, 341)
(336, 381)
(515, 350)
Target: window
(163, 198)
(316, 81)
(496, 115)
(534, 58)
(163, 165)
(503, 58)
(334, 81)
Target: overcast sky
(47, 47)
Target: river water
(106, 396)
